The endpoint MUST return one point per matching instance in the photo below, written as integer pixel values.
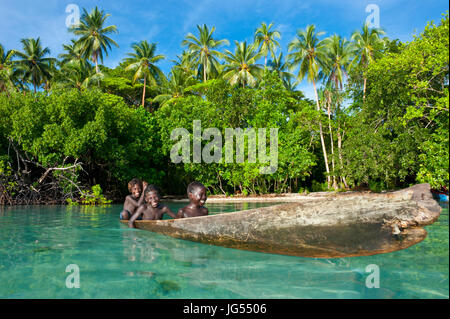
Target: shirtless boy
(197, 198)
(134, 200)
(152, 208)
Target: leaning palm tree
(367, 44)
(241, 67)
(266, 38)
(308, 53)
(32, 64)
(6, 69)
(93, 35)
(280, 67)
(202, 50)
(142, 62)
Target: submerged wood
(337, 225)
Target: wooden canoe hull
(338, 225)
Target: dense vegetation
(68, 124)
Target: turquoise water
(38, 242)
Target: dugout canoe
(336, 225)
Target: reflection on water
(37, 243)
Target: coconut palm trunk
(143, 94)
(204, 72)
(322, 141)
(328, 101)
(339, 138)
(95, 58)
(364, 90)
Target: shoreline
(286, 197)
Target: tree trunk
(322, 140)
(204, 72)
(364, 90)
(331, 141)
(95, 58)
(339, 137)
(143, 94)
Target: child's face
(198, 197)
(152, 198)
(136, 191)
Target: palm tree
(74, 53)
(78, 74)
(174, 87)
(33, 66)
(6, 69)
(202, 49)
(142, 62)
(308, 52)
(93, 35)
(339, 54)
(186, 63)
(241, 66)
(367, 44)
(266, 38)
(291, 86)
(325, 99)
(279, 66)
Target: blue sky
(167, 22)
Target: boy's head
(197, 193)
(152, 195)
(135, 187)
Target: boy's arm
(166, 210)
(180, 213)
(141, 199)
(135, 216)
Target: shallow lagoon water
(38, 242)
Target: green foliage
(95, 197)
(218, 104)
(318, 187)
(119, 82)
(113, 141)
(401, 132)
(395, 132)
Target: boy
(152, 208)
(197, 198)
(133, 201)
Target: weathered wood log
(337, 225)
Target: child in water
(134, 200)
(152, 208)
(197, 197)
